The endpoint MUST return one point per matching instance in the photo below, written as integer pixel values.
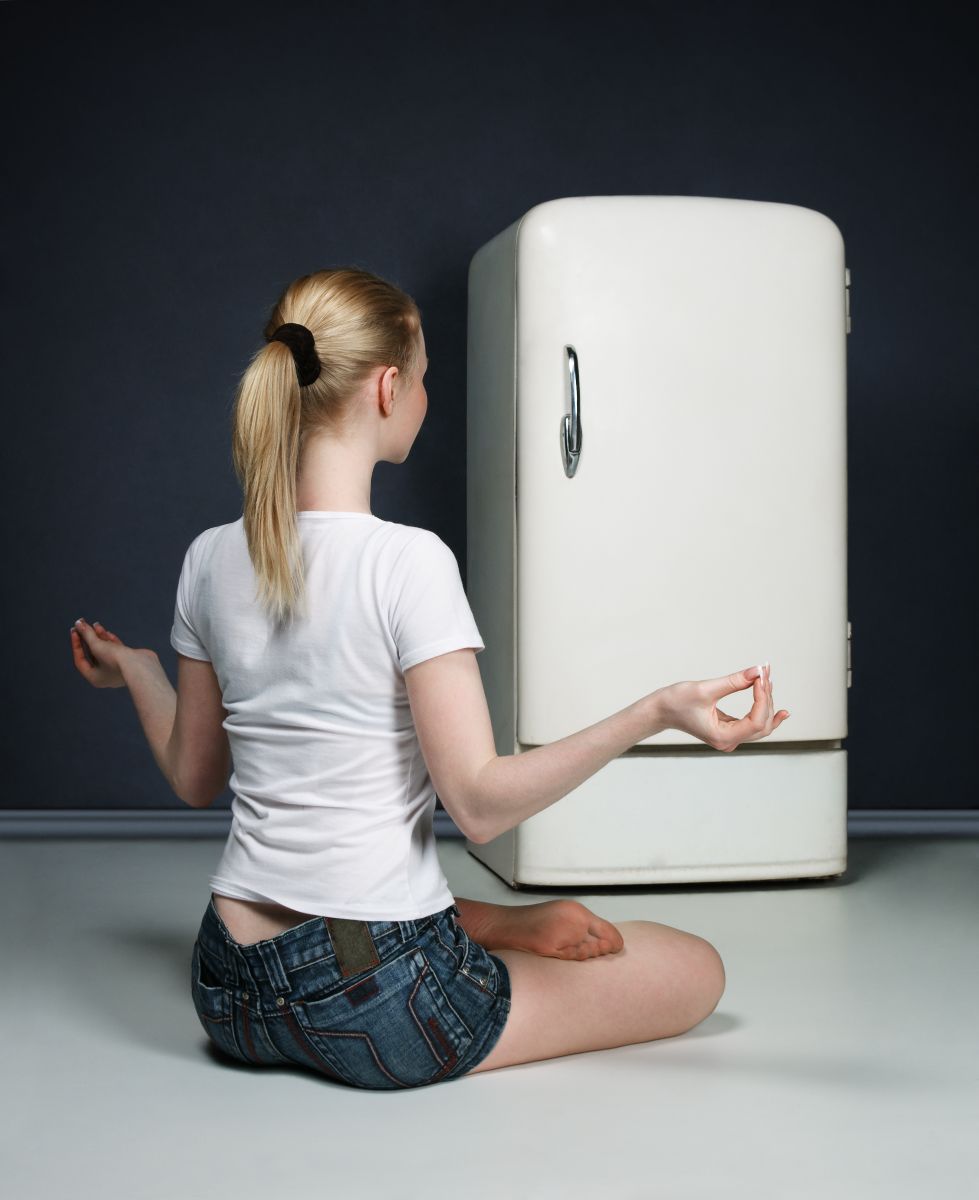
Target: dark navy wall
(171, 169)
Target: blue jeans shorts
(370, 1004)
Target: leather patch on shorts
(353, 945)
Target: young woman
(330, 657)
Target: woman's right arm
(486, 794)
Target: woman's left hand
(99, 654)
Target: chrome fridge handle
(571, 423)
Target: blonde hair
(359, 322)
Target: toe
(614, 935)
(609, 933)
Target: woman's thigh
(661, 983)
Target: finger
(717, 689)
(758, 696)
(93, 636)
(80, 654)
(754, 719)
(89, 640)
(772, 696)
(766, 695)
(759, 711)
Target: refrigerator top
(571, 217)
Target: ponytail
(358, 322)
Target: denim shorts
(370, 1004)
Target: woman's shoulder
(407, 550)
(409, 533)
(215, 533)
(411, 540)
(205, 543)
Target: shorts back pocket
(392, 1027)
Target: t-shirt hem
(188, 648)
(442, 646)
(224, 887)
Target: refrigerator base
(685, 818)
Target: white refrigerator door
(704, 529)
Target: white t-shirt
(333, 804)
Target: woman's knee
(695, 967)
(710, 974)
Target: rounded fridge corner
(540, 212)
(820, 218)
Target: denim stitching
(370, 1046)
(441, 1067)
(269, 1041)
(311, 1051)
(453, 1057)
(252, 1054)
(411, 998)
(437, 985)
(445, 944)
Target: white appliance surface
(704, 527)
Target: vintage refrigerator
(656, 491)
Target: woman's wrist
(137, 662)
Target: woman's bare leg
(660, 984)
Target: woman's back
(383, 987)
(333, 804)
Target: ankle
(484, 922)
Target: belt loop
(409, 931)
(276, 972)
(232, 964)
(242, 972)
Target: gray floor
(841, 1060)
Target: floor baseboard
(214, 823)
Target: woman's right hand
(692, 708)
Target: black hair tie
(300, 341)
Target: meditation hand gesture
(99, 654)
(692, 708)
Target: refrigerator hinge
(846, 292)
(849, 657)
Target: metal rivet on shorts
(280, 1001)
(244, 996)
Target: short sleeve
(430, 614)
(184, 635)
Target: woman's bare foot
(553, 928)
